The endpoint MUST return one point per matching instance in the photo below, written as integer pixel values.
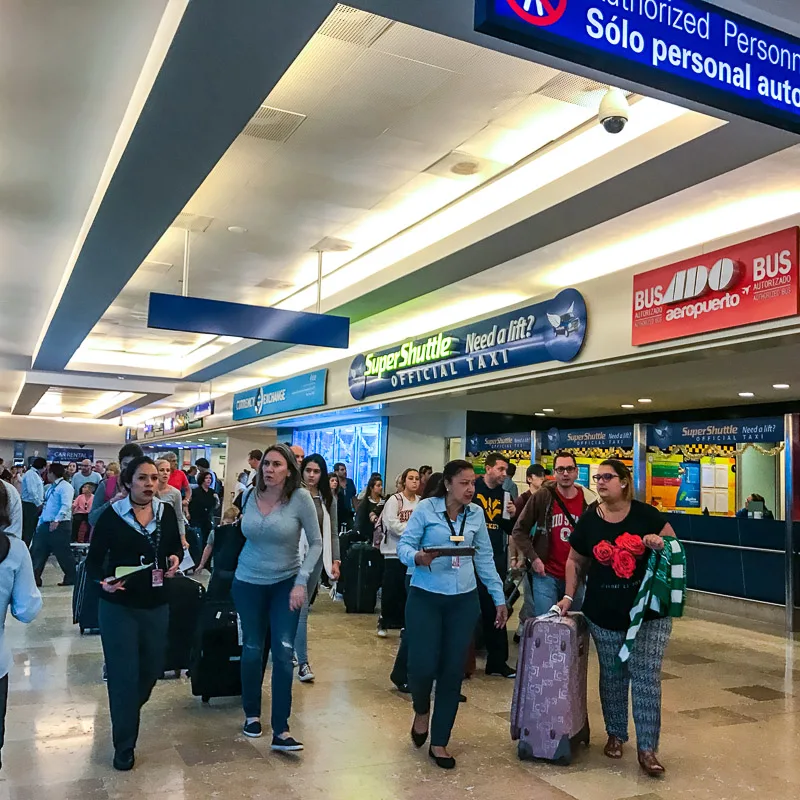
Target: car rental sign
(751, 282)
(553, 330)
(688, 48)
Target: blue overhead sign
(726, 431)
(293, 394)
(499, 442)
(688, 48)
(621, 436)
(63, 455)
(550, 331)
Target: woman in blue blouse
(443, 606)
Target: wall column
(640, 462)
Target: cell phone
(450, 551)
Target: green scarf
(663, 590)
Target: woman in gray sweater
(269, 587)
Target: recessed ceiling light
(237, 229)
(540, 414)
(781, 386)
(645, 400)
(120, 377)
(746, 394)
(549, 410)
(628, 405)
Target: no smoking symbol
(539, 12)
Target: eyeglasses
(605, 477)
(563, 470)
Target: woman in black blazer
(139, 533)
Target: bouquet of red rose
(621, 555)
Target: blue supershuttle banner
(688, 48)
(726, 431)
(293, 394)
(618, 436)
(553, 330)
(498, 442)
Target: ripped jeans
(264, 611)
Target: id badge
(158, 578)
(456, 562)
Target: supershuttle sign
(688, 48)
(550, 331)
(751, 282)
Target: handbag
(228, 559)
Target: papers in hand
(124, 572)
(187, 563)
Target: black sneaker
(252, 729)
(124, 760)
(286, 745)
(504, 671)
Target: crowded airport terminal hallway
(730, 726)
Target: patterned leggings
(642, 673)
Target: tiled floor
(731, 725)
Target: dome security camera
(614, 111)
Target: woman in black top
(202, 506)
(609, 547)
(136, 531)
(369, 509)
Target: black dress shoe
(419, 739)
(503, 671)
(462, 698)
(124, 760)
(445, 762)
(403, 688)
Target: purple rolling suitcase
(548, 712)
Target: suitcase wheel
(524, 751)
(205, 698)
(83, 630)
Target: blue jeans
(264, 611)
(301, 638)
(547, 591)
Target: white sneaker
(382, 633)
(305, 674)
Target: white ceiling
(68, 71)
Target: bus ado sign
(751, 282)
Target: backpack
(380, 533)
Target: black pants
(193, 539)
(439, 630)
(495, 639)
(393, 596)
(134, 646)
(30, 516)
(56, 542)
(399, 674)
(3, 707)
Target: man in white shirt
(55, 528)
(32, 498)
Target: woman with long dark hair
(315, 478)
(443, 606)
(202, 505)
(370, 508)
(609, 545)
(269, 586)
(135, 549)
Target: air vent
(357, 27)
(273, 124)
(192, 222)
(575, 90)
(271, 283)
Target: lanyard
(153, 538)
(456, 537)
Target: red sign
(547, 11)
(743, 284)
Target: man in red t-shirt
(543, 529)
(178, 480)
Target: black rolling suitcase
(362, 571)
(85, 601)
(185, 602)
(346, 540)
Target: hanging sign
(550, 331)
(751, 282)
(615, 437)
(63, 455)
(293, 394)
(688, 48)
(727, 431)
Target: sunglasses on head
(563, 470)
(605, 477)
